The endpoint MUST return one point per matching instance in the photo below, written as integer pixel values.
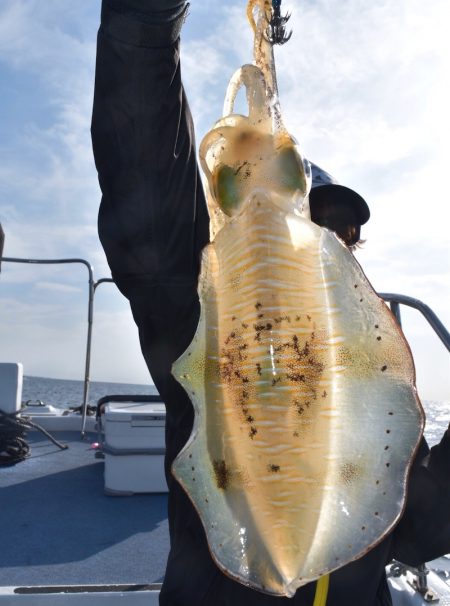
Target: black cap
(324, 183)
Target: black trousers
(153, 225)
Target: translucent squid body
(306, 412)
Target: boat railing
(394, 300)
(90, 316)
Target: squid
(303, 385)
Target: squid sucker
(303, 386)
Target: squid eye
(226, 189)
(290, 165)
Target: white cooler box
(134, 448)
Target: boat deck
(58, 527)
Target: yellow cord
(322, 591)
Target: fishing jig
(276, 30)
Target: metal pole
(395, 308)
(87, 366)
(92, 288)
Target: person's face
(338, 217)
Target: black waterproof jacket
(153, 224)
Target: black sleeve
(152, 220)
(424, 530)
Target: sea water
(63, 393)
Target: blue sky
(364, 89)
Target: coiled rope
(13, 446)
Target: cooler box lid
(136, 413)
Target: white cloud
(49, 168)
(49, 337)
(202, 78)
(116, 351)
(57, 287)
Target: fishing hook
(276, 31)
